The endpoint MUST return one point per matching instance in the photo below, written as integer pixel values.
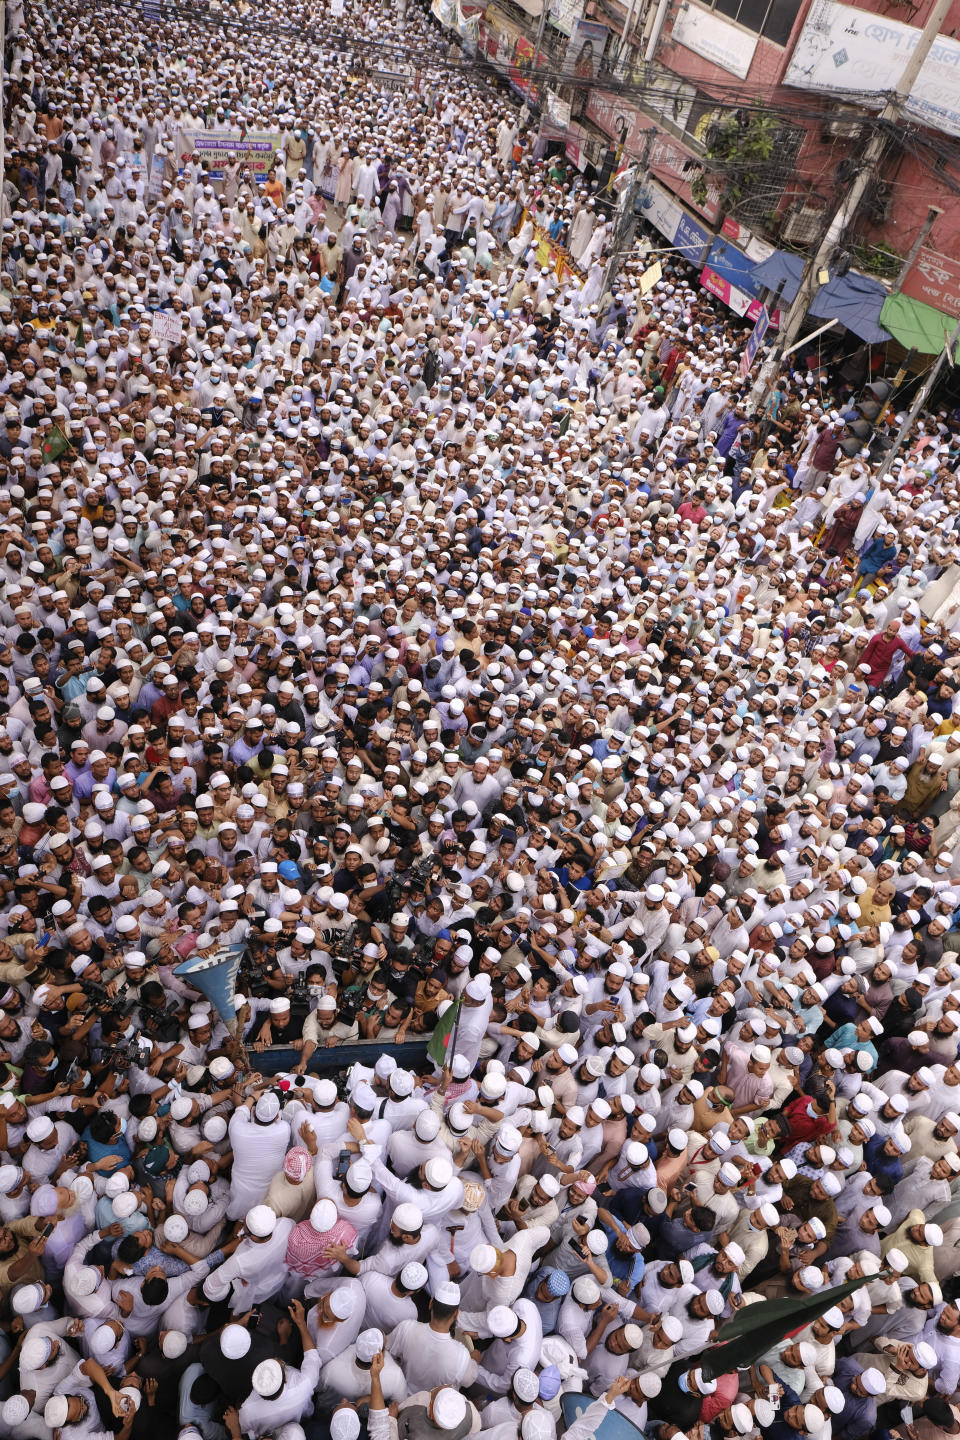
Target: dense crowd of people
(446, 633)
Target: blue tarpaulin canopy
(853, 299)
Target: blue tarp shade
(853, 299)
(733, 266)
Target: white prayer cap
(449, 1409)
(369, 1344)
(323, 1216)
(234, 1342)
(15, 1410)
(261, 1221)
(502, 1321)
(36, 1351)
(56, 1412)
(175, 1229)
(267, 1107)
(408, 1217)
(344, 1424)
(482, 1259)
(27, 1298)
(268, 1378)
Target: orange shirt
(274, 191)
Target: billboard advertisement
(585, 50)
(841, 48)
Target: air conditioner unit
(846, 127)
(803, 225)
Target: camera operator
(159, 1024)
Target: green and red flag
(754, 1329)
(439, 1047)
(54, 446)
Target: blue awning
(781, 268)
(853, 299)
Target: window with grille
(776, 178)
(773, 19)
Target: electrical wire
(799, 113)
(729, 95)
(917, 145)
(726, 97)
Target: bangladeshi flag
(440, 1039)
(753, 1329)
(54, 446)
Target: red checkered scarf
(306, 1246)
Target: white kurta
(471, 1028)
(385, 1310)
(256, 1270)
(258, 1152)
(258, 1415)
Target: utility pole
(947, 353)
(911, 255)
(541, 26)
(655, 33)
(895, 384)
(536, 86)
(625, 213)
(868, 165)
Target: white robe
(580, 231)
(256, 1270)
(258, 1152)
(367, 183)
(594, 246)
(880, 501)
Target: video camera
(101, 999)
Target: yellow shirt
(871, 914)
(919, 1257)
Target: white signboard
(841, 49)
(659, 207)
(557, 109)
(714, 38)
(564, 14)
(758, 250)
(651, 277)
(155, 182)
(167, 326)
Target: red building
(761, 109)
(805, 66)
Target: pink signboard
(736, 300)
(935, 280)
